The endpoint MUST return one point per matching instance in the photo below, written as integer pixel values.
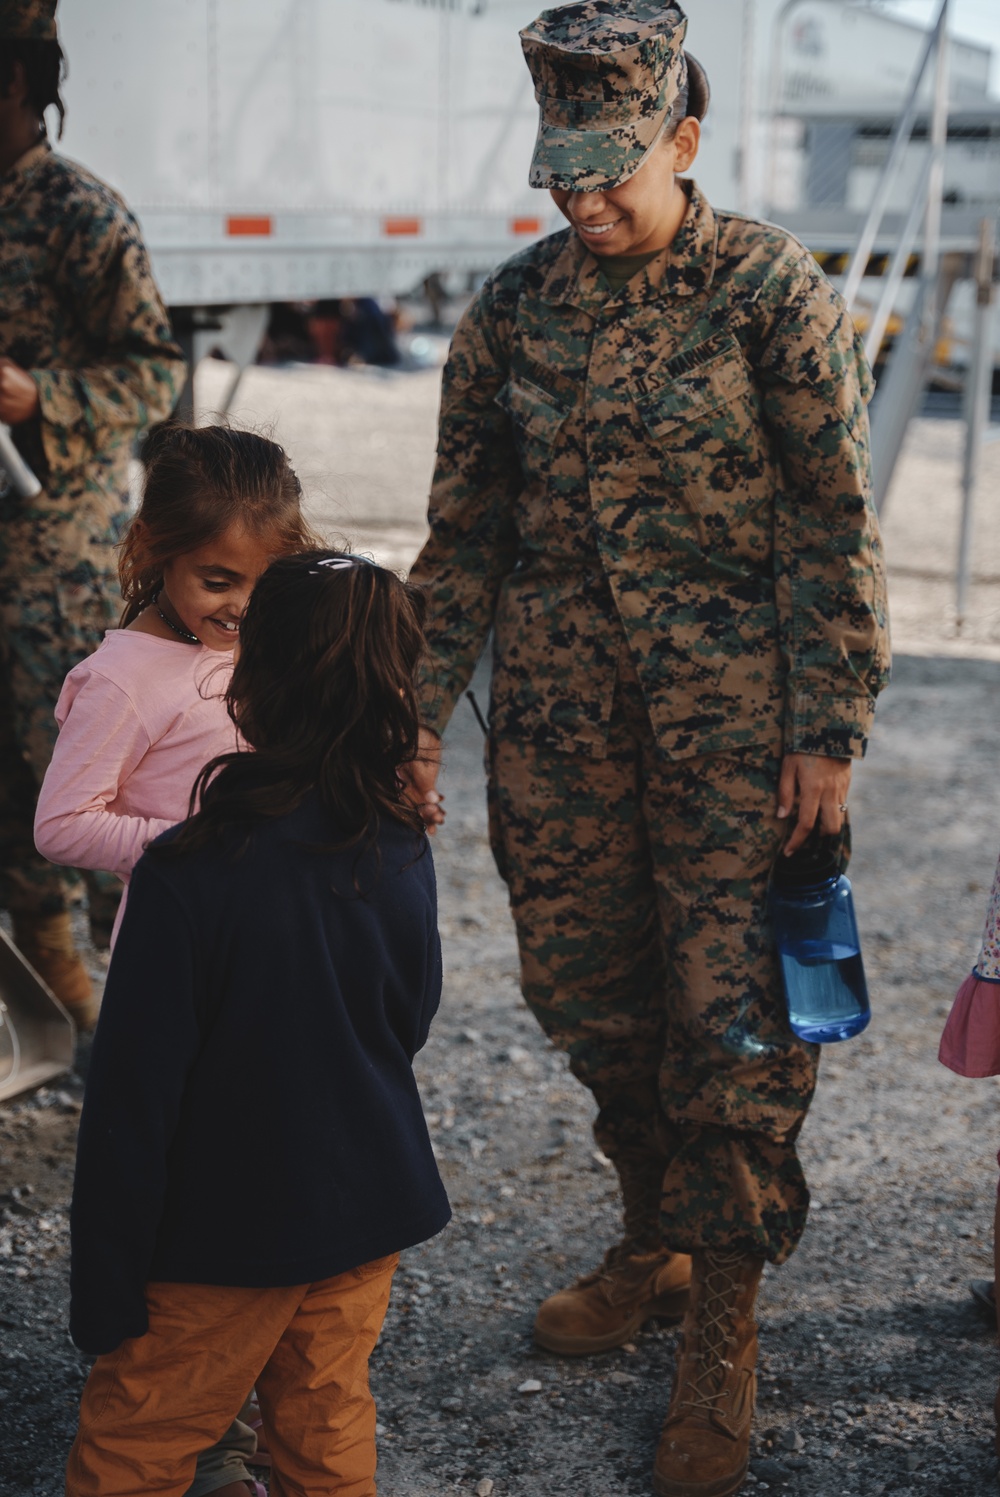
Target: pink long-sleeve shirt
(138, 720)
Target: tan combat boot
(704, 1447)
(46, 941)
(639, 1279)
(607, 1307)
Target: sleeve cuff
(438, 692)
(838, 727)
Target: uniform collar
(684, 268)
(13, 183)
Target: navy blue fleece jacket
(251, 1115)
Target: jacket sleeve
(146, 1043)
(829, 569)
(473, 539)
(101, 741)
(134, 371)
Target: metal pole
(748, 122)
(979, 379)
(897, 269)
(902, 385)
(774, 90)
(939, 145)
(900, 140)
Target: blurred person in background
(653, 484)
(87, 360)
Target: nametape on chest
(691, 385)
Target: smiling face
(642, 214)
(206, 590)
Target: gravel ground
(877, 1370)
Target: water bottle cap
(811, 866)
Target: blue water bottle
(812, 915)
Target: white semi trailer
(283, 149)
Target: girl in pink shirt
(141, 717)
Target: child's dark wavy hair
(200, 481)
(323, 692)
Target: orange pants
(151, 1406)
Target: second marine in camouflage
(87, 359)
(653, 484)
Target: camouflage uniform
(660, 501)
(81, 312)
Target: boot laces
(610, 1266)
(615, 1261)
(714, 1331)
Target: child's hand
(420, 779)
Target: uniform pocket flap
(532, 409)
(693, 392)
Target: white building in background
(841, 78)
(835, 73)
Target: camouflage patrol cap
(606, 74)
(28, 20)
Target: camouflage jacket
(685, 462)
(79, 309)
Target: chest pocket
(702, 438)
(536, 418)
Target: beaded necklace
(177, 628)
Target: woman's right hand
(420, 778)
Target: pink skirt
(970, 1043)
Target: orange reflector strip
(526, 226)
(402, 226)
(237, 226)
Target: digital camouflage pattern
(638, 887)
(606, 73)
(660, 501)
(80, 310)
(685, 462)
(28, 20)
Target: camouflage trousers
(58, 594)
(638, 889)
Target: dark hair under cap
(699, 93)
(692, 97)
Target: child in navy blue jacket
(277, 969)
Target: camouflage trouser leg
(58, 594)
(638, 887)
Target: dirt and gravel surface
(877, 1371)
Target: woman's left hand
(820, 787)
